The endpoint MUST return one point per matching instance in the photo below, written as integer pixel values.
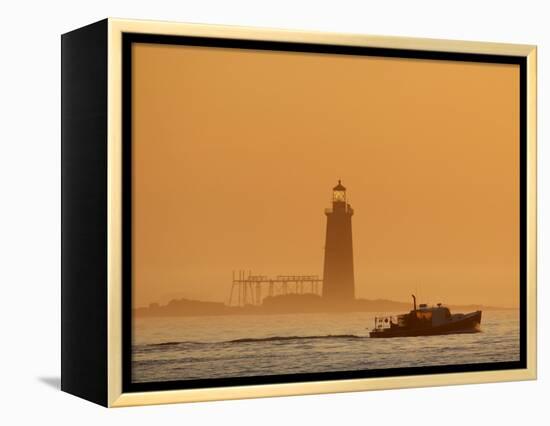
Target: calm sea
(250, 345)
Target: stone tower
(338, 277)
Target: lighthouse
(338, 277)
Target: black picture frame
(130, 38)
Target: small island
(281, 304)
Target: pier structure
(249, 289)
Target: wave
(260, 339)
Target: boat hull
(470, 323)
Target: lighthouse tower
(338, 278)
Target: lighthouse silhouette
(338, 277)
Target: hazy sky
(236, 152)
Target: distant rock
(182, 307)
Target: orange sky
(235, 153)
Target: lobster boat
(426, 321)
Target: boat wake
(276, 338)
(260, 339)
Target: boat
(426, 321)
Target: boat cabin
(424, 316)
(435, 315)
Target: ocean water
(183, 348)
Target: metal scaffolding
(251, 289)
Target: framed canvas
(254, 212)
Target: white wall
(29, 224)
